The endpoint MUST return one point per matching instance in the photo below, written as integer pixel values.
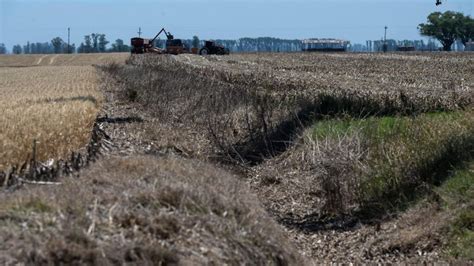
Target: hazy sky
(357, 21)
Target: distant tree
(445, 27)
(17, 49)
(27, 48)
(33, 48)
(42, 48)
(70, 49)
(466, 30)
(119, 46)
(95, 42)
(196, 42)
(3, 48)
(58, 45)
(86, 46)
(102, 45)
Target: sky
(357, 21)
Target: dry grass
(250, 106)
(55, 106)
(389, 159)
(391, 82)
(142, 210)
(61, 59)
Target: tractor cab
(211, 47)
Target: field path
(41, 59)
(53, 58)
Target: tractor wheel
(204, 51)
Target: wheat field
(53, 105)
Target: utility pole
(385, 46)
(68, 40)
(139, 32)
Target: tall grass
(457, 195)
(397, 155)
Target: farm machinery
(211, 47)
(173, 46)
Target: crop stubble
(54, 105)
(61, 60)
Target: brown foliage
(142, 210)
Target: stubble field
(50, 99)
(31, 60)
(343, 157)
(55, 106)
(327, 141)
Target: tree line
(446, 27)
(261, 44)
(93, 43)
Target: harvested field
(336, 146)
(56, 106)
(61, 59)
(363, 158)
(252, 105)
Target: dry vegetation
(250, 106)
(352, 153)
(56, 106)
(142, 210)
(139, 210)
(326, 140)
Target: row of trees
(94, 43)
(97, 43)
(262, 44)
(448, 27)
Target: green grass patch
(380, 127)
(458, 189)
(457, 194)
(461, 236)
(402, 153)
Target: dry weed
(142, 210)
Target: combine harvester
(174, 46)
